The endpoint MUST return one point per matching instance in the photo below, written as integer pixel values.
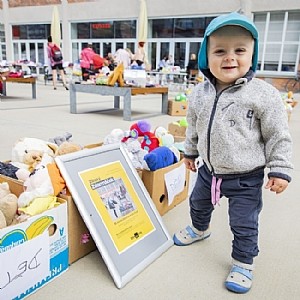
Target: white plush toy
(27, 150)
(136, 152)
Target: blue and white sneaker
(190, 235)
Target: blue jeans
(245, 203)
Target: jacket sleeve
(277, 139)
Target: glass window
(31, 32)
(190, 27)
(275, 27)
(106, 49)
(125, 29)
(102, 30)
(162, 28)
(260, 23)
(293, 27)
(83, 31)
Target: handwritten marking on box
(23, 266)
(175, 180)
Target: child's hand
(276, 185)
(190, 164)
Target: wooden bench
(29, 80)
(126, 92)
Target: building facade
(174, 27)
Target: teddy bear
(67, 147)
(8, 205)
(44, 183)
(27, 153)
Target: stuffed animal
(143, 129)
(67, 147)
(160, 157)
(43, 184)
(44, 181)
(115, 136)
(136, 152)
(58, 140)
(117, 76)
(29, 152)
(8, 206)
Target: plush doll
(67, 147)
(58, 140)
(143, 129)
(44, 181)
(136, 152)
(150, 141)
(44, 184)
(8, 206)
(160, 157)
(117, 76)
(115, 136)
(29, 152)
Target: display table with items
(28, 80)
(126, 92)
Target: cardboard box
(34, 252)
(154, 182)
(176, 130)
(177, 108)
(80, 240)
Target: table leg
(164, 104)
(73, 102)
(127, 107)
(117, 102)
(4, 88)
(34, 90)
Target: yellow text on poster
(118, 204)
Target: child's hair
(49, 39)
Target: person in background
(123, 56)
(170, 61)
(86, 61)
(192, 65)
(233, 129)
(55, 65)
(110, 59)
(163, 62)
(140, 55)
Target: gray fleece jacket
(240, 131)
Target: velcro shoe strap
(191, 232)
(243, 271)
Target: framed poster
(116, 208)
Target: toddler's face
(230, 51)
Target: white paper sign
(175, 180)
(23, 266)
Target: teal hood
(224, 20)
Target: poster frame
(122, 265)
